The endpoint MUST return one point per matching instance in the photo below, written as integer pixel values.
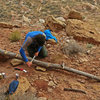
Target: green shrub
(89, 45)
(15, 36)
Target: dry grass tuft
(15, 36)
(72, 48)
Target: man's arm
(22, 52)
(39, 48)
(36, 54)
(26, 43)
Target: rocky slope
(50, 84)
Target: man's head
(40, 39)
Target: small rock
(81, 81)
(52, 84)
(41, 20)
(83, 60)
(38, 68)
(42, 98)
(50, 89)
(48, 45)
(26, 19)
(67, 41)
(88, 52)
(50, 78)
(51, 41)
(61, 19)
(16, 62)
(43, 78)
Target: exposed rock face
(7, 25)
(23, 85)
(54, 24)
(75, 15)
(82, 31)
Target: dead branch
(75, 90)
(50, 65)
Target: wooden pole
(50, 65)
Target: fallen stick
(75, 90)
(50, 65)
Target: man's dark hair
(40, 39)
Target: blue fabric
(29, 34)
(13, 86)
(22, 52)
(33, 33)
(39, 48)
(49, 35)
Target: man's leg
(43, 52)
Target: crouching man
(34, 44)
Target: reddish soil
(88, 63)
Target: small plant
(72, 48)
(83, 17)
(15, 36)
(89, 45)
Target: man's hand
(29, 64)
(36, 54)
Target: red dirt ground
(89, 63)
